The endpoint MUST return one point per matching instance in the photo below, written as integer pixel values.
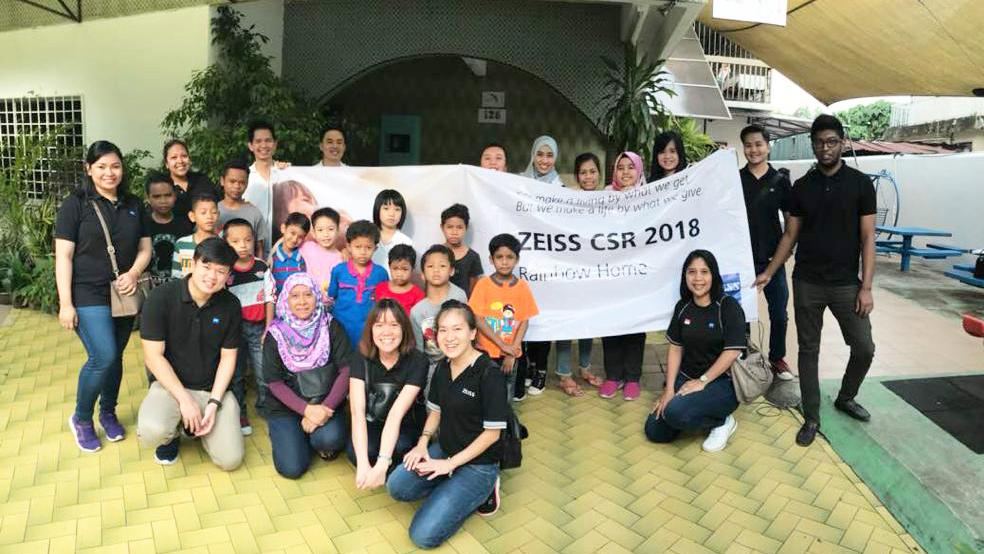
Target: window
(29, 116)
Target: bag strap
(109, 240)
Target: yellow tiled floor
(589, 483)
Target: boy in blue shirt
(286, 260)
(353, 284)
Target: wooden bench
(964, 277)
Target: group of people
(349, 353)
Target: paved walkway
(589, 483)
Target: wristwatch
(703, 378)
(216, 401)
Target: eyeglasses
(829, 143)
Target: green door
(399, 140)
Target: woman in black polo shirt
(187, 183)
(384, 393)
(706, 335)
(306, 357)
(84, 273)
(459, 472)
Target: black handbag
(979, 267)
(510, 442)
(379, 397)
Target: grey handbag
(122, 305)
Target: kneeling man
(190, 331)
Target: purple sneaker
(631, 390)
(109, 423)
(609, 388)
(85, 435)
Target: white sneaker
(718, 437)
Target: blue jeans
(777, 297)
(449, 500)
(104, 338)
(565, 357)
(292, 446)
(405, 441)
(251, 352)
(695, 411)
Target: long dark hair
(717, 284)
(662, 140)
(97, 150)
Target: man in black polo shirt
(832, 216)
(190, 333)
(767, 192)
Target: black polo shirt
(193, 336)
(77, 222)
(830, 211)
(705, 332)
(473, 402)
(764, 199)
(198, 183)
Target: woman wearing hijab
(669, 156)
(543, 161)
(623, 353)
(306, 367)
(543, 168)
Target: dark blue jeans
(250, 355)
(292, 446)
(449, 500)
(777, 297)
(697, 410)
(104, 338)
(405, 441)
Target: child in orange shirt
(504, 305)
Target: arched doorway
(429, 110)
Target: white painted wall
(268, 17)
(939, 192)
(129, 71)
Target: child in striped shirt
(286, 259)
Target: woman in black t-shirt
(384, 393)
(467, 399)
(84, 273)
(187, 183)
(706, 335)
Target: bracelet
(427, 433)
(389, 460)
(216, 401)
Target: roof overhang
(837, 50)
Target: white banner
(599, 263)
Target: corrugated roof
(837, 49)
(885, 147)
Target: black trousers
(623, 356)
(537, 354)
(810, 301)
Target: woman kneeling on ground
(306, 367)
(384, 393)
(706, 335)
(459, 473)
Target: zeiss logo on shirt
(732, 285)
(215, 321)
(467, 392)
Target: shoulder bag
(751, 374)
(379, 397)
(121, 305)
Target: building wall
(445, 93)
(951, 203)
(330, 42)
(129, 71)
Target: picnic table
(905, 249)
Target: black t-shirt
(468, 266)
(410, 369)
(193, 336)
(830, 211)
(77, 222)
(162, 239)
(197, 183)
(312, 385)
(473, 402)
(705, 332)
(764, 199)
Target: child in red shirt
(399, 288)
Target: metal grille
(37, 116)
(716, 44)
(743, 82)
